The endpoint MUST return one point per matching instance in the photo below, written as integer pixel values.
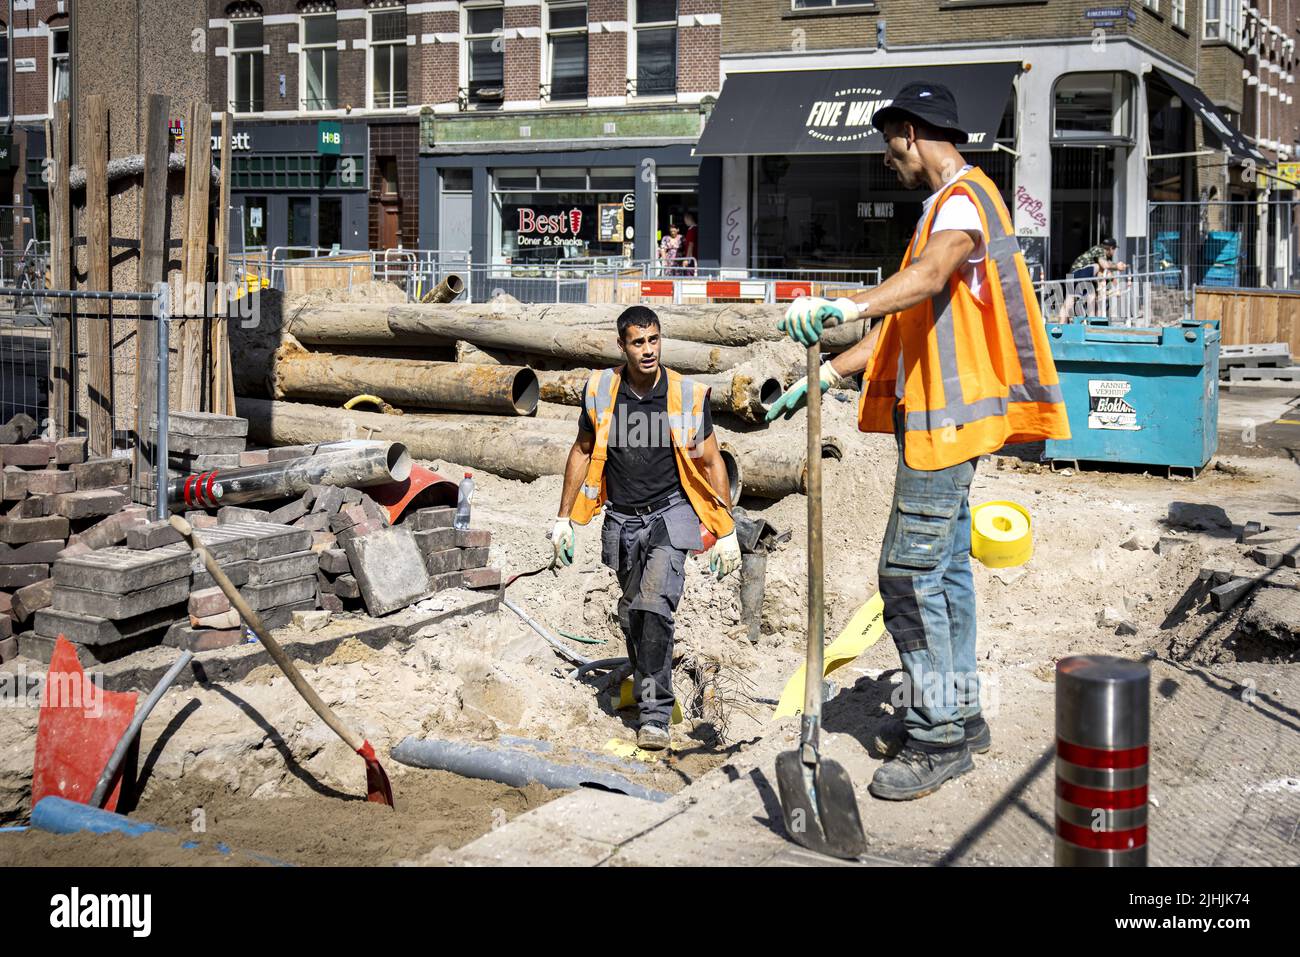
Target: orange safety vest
(598, 403)
(971, 376)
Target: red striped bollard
(1103, 732)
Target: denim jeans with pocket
(929, 596)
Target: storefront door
(1083, 202)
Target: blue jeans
(929, 596)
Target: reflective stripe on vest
(1001, 248)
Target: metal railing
(65, 363)
(1236, 243)
(1162, 297)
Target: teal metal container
(1145, 396)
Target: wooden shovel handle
(812, 688)
(277, 653)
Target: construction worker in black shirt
(646, 448)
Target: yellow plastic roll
(625, 700)
(1001, 534)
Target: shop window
(1094, 107)
(517, 179)
(300, 224)
(544, 216)
(624, 179)
(558, 178)
(388, 59)
(567, 50)
(485, 48)
(246, 66)
(677, 177)
(59, 71)
(319, 63)
(656, 48)
(1169, 131)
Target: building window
(58, 65)
(246, 66)
(485, 43)
(4, 70)
(1179, 13)
(388, 59)
(821, 4)
(320, 60)
(1093, 107)
(566, 38)
(1153, 5)
(655, 48)
(1223, 21)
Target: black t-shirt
(640, 468)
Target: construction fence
(1233, 244)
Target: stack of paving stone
(155, 590)
(54, 503)
(202, 441)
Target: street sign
(329, 139)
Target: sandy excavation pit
(274, 780)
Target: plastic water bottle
(463, 499)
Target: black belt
(671, 498)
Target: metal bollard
(1103, 725)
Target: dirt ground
(272, 780)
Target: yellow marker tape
(863, 630)
(628, 749)
(1288, 422)
(1001, 534)
(624, 700)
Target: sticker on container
(1107, 406)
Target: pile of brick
(1267, 573)
(78, 560)
(54, 503)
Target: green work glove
(796, 396)
(561, 538)
(808, 316)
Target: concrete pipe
(329, 376)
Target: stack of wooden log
(497, 385)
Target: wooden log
(774, 466)
(99, 331)
(741, 392)
(494, 445)
(411, 324)
(152, 266)
(331, 377)
(62, 369)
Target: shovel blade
(819, 807)
(378, 790)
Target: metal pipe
(447, 290)
(1103, 733)
(356, 465)
(743, 394)
(325, 376)
(567, 653)
(133, 729)
(770, 470)
(515, 767)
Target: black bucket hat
(931, 102)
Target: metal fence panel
(1235, 243)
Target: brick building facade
(1096, 128)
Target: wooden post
(62, 367)
(223, 380)
(152, 266)
(194, 255)
(99, 329)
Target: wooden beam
(223, 380)
(194, 254)
(152, 269)
(99, 329)
(62, 367)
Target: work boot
(889, 740)
(915, 773)
(652, 737)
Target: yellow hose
(383, 406)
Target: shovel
(378, 789)
(818, 805)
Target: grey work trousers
(648, 554)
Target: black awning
(830, 111)
(1216, 126)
